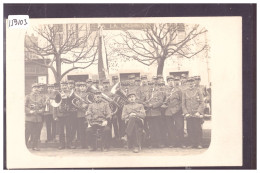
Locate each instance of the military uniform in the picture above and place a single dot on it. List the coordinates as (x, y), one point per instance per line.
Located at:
(63, 117)
(132, 88)
(173, 115)
(134, 114)
(193, 107)
(80, 121)
(48, 117)
(154, 116)
(72, 111)
(34, 107)
(97, 110)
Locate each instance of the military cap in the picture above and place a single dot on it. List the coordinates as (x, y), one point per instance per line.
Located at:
(130, 93)
(41, 84)
(114, 77)
(77, 83)
(183, 75)
(132, 76)
(155, 77)
(196, 77)
(97, 92)
(137, 79)
(150, 83)
(161, 83)
(89, 80)
(82, 83)
(144, 77)
(106, 81)
(50, 85)
(71, 81)
(169, 77)
(63, 82)
(95, 81)
(56, 85)
(177, 78)
(35, 85)
(190, 79)
(159, 76)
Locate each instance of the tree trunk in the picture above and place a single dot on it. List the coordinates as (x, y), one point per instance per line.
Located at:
(58, 68)
(160, 66)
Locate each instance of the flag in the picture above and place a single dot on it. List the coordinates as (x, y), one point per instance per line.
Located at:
(102, 58)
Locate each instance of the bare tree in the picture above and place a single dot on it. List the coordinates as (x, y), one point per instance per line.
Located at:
(157, 42)
(76, 46)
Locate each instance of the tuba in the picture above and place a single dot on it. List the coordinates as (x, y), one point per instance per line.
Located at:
(78, 101)
(121, 98)
(57, 97)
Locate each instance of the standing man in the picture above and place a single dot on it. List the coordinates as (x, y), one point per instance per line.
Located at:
(89, 84)
(173, 114)
(137, 88)
(99, 110)
(131, 83)
(96, 84)
(193, 107)
(114, 80)
(48, 115)
(133, 114)
(201, 87)
(43, 93)
(144, 89)
(34, 107)
(81, 110)
(72, 111)
(154, 116)
(63, 118)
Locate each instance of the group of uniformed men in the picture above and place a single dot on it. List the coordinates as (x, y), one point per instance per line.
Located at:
(154, 114)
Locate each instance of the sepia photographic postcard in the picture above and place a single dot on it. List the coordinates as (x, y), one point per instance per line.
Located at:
(123, 92)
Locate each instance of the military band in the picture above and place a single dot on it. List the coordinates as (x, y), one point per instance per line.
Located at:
(87, 112)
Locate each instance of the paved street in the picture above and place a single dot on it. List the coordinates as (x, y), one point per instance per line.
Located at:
(51, 149)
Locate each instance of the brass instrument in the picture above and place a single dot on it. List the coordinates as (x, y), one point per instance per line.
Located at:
(59, 99)
(55, 99)
(47, 103)
(35, 107)
(121, 98)
(112, 104)
(78, 101)
(100, 121)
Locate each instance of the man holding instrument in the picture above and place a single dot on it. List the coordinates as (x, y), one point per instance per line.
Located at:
(34, 107)
(98, 112)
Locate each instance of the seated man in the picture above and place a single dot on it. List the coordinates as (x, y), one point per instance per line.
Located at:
(98, 115)
(133, 114)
